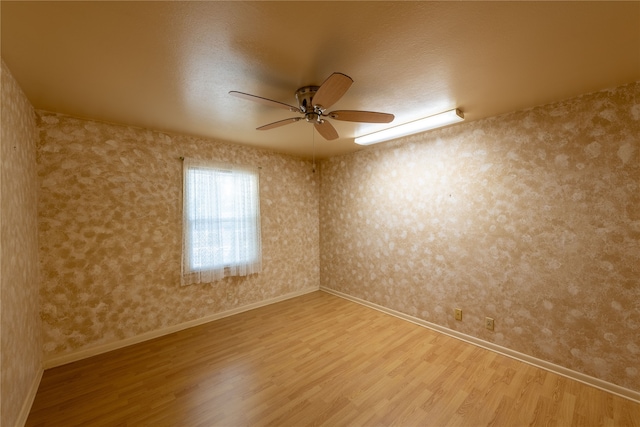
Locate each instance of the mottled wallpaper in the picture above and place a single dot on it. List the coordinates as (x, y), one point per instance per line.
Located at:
(110, 231)
(20, 349)
(532, 218)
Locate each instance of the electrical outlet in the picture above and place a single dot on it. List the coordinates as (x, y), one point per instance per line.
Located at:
(457, 313)
(488, 323)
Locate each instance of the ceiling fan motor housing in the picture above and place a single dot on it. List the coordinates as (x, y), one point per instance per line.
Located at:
(304, 96)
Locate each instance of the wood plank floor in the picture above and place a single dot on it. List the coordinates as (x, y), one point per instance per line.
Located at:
(316, 360)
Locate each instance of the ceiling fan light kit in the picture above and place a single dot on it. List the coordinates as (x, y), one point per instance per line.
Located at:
(313, 102)
(416, 126)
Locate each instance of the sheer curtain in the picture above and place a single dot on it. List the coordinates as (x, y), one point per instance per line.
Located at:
(221, 221)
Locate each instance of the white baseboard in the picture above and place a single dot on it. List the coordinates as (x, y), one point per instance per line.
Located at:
(539, 363)
(28, 402)
(103, 348)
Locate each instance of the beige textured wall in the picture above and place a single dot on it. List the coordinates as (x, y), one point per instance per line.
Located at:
(532, 218)
(20, 350)
(110, 230)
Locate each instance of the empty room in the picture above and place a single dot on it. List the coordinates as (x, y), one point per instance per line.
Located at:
(320, 213)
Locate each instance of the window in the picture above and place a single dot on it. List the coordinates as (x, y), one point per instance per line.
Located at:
(221, 230)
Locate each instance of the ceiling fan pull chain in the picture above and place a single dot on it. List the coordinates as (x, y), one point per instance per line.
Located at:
(313, 145)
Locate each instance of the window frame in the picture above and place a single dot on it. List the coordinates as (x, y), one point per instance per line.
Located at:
(223, 251)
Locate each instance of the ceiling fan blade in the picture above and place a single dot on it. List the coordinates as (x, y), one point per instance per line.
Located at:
(327, 130)
(264, 101)
(332, 90)
(279, 123)
(361, 116)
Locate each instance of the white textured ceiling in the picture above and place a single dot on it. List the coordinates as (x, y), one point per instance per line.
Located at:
(170, 65)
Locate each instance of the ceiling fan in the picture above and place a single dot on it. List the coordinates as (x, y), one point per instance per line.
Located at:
(313, 102)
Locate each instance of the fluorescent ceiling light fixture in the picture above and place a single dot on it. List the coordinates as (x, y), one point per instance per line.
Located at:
(420, 125)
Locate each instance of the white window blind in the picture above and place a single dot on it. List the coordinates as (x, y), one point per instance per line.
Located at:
(221, 227)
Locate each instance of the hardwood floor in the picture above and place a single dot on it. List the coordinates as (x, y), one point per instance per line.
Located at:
(316, 360)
